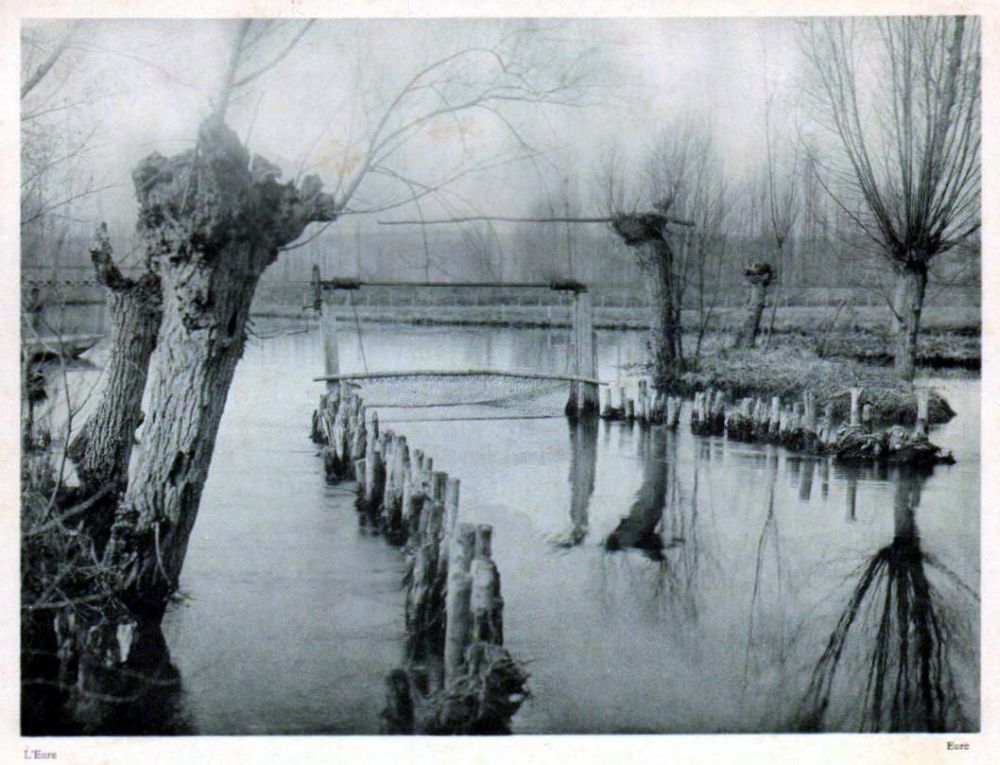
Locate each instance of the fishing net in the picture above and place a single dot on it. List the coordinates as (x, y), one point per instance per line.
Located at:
(463, 395)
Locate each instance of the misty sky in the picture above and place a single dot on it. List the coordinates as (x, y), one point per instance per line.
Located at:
(146, 84)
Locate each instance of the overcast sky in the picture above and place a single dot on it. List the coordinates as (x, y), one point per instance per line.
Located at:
(148, 83)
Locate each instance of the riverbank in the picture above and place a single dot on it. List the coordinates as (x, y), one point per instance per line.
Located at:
(789, 372)
(950, 335)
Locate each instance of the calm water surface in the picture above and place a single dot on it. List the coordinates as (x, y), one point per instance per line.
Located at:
(652, 581)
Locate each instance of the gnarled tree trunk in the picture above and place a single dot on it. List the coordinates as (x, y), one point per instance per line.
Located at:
(666, 325)
(103, 447)
(758, 279)
(911, 286)
(212, 224)
(647, 233)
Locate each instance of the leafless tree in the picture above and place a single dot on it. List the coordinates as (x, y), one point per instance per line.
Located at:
(901, 97)
(779, 187)
(681, 182)
(212, 220)
(686, 163)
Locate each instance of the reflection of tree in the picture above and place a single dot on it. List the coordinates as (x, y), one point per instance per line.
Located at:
(663, 527)
(106, 694)
(905, 631)
(766, 628)
(582, 468)
(638, 530)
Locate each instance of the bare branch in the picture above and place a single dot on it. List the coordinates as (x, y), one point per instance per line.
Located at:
(43, 69)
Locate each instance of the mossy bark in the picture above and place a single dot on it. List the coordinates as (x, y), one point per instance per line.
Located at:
(103, 447)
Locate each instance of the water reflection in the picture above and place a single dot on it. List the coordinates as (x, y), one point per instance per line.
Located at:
(582, 471)
(895, 639)
(311, 620)
(101, 695)
(639, 529)
(663, 526)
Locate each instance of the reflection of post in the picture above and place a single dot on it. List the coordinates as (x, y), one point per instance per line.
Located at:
(852, 497)
(824, 476)
(806, 480)
(582, 468)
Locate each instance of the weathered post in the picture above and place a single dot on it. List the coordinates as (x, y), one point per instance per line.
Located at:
(866, 417)
(371, 468)
(583, 315)
(487, 604)
(809, 407)
(328, 330)
(855, 417)
(923, 409)
(458, 613)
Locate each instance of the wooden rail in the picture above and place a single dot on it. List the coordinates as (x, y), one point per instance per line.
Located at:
(456, 373)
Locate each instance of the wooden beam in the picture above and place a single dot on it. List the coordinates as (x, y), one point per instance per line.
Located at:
(505, 219)
(455, 373)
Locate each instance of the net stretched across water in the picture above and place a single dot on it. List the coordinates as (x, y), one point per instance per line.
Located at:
(462, 394)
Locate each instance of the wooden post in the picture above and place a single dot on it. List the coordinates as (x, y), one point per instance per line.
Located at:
(439, 482)
(583, 316)
(331, 353)
(451, 494)
(809, 401)
(486, 603)
(855, 418)
(923, 410)
(371, 441)
(484, 541)
(608, 410)
(458, 613)
(866, 417)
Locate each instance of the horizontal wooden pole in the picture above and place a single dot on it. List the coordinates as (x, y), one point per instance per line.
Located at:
(456, 373)
(354, 284)
(506, 219)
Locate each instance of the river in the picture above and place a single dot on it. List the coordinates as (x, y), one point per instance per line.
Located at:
(653, 581)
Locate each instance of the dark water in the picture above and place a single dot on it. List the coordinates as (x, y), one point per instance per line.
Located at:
(652, 581)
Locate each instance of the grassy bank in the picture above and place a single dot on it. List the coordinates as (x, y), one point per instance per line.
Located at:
(788, 372)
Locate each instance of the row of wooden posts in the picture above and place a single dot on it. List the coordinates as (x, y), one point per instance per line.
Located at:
(454, 607)
(649, 407)
(798, 425)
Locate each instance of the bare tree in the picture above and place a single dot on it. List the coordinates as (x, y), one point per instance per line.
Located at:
(686, 163)
(780, 189)
(212, 220)
(908, 133)
(682, 183)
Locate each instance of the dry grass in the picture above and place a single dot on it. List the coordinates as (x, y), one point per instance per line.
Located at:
(789, 372)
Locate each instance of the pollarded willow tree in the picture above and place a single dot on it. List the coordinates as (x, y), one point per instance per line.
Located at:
(213, 218)
(902, 99)
(676, 219)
